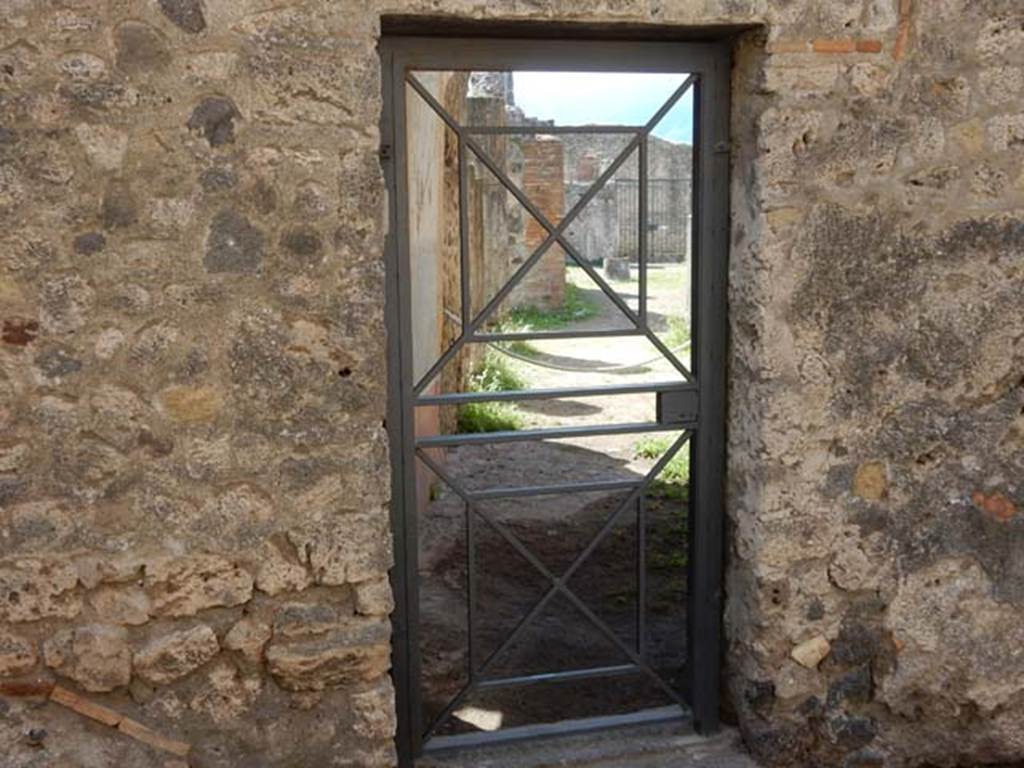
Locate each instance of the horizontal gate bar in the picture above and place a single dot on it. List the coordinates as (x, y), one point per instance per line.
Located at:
(483, 438)
(559, 677)
(542, 335)
(669, 714)
(529, 129)
(456, 398)
(512, 492)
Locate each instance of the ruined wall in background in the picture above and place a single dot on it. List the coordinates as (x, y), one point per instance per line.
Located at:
(544, 185)
(193, 466)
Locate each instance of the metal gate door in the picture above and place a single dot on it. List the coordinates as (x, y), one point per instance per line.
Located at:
(484, 199)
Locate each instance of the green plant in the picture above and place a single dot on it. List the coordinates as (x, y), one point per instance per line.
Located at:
(678, 333)
(576, 306)
(673, 481)
(489, 417)
(494, 374)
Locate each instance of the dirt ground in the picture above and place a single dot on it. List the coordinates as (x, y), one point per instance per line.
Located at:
(556, 529)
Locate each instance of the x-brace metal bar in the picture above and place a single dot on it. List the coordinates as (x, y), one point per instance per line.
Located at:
(558, 233)
(555, 233)
(558, 584)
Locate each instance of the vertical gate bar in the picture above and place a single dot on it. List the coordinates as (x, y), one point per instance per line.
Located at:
(642, 234)
(471, 588)
(400, 415)
(641, 576)
(711, 117)
(464, 277)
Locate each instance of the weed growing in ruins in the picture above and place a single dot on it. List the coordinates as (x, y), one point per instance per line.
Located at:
(678, 334)
(673, 482)
(576, 306)
(494, 374)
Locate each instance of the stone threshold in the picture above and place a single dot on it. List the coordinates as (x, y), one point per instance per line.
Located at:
(659, 745)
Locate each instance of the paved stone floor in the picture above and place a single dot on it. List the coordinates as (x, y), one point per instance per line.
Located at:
(646, 747)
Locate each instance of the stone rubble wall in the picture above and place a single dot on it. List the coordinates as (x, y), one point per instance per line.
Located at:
(193, 463)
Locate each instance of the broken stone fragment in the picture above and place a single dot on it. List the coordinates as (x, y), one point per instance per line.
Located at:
(95, 570)
(37, 588)
(192, 404)
(183, 586)
(233, 244)
(226, 694)
(214, 117)
(121, 605)
(95, 656)
(17, 655)
(996, 506)
(120, 207)
(279, 574)
(89, 243)
(346, 548)
(374, 597)
(56, 363)
(186, 14)
(374, 711)
(359, 652)
(294, 620)
(304, 243)
(140, 48)
(19, 331)
(811, 652)
(103, 145)
(248, 636)
(171, 657)
(870, 481)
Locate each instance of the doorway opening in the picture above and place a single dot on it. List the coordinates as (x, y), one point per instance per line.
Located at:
(556, 310)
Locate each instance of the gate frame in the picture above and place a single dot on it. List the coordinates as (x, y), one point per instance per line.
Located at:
(711, 62)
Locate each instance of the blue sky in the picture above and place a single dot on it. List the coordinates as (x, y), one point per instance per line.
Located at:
(579, 98)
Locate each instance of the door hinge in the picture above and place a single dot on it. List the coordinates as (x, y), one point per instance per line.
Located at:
(385, 152)
(722, 148)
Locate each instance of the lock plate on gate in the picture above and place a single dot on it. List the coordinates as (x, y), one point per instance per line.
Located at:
(677, 406)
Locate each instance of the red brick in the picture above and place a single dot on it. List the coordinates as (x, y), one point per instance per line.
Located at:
(834, 45)
(789, 46)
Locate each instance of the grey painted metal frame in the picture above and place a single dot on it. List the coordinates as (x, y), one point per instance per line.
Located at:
(709, 64)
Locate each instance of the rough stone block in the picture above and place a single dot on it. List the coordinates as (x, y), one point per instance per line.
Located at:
(294, 620)
(38, 588)
(233, 244)
(173, 656)
(17, 654)
(811, 652)
(358, 653)
(186, 585)
(96, 656)
(375, 597)
(186, 14)
(278, 573)
(192, 404)
(354, 547)
(374, 710)
(121, 605)
(248, 636)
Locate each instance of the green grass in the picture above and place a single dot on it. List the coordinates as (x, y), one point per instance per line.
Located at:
(673, 482)
(494, 374)
(577, 306)
(678, 333)
(669, 553)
